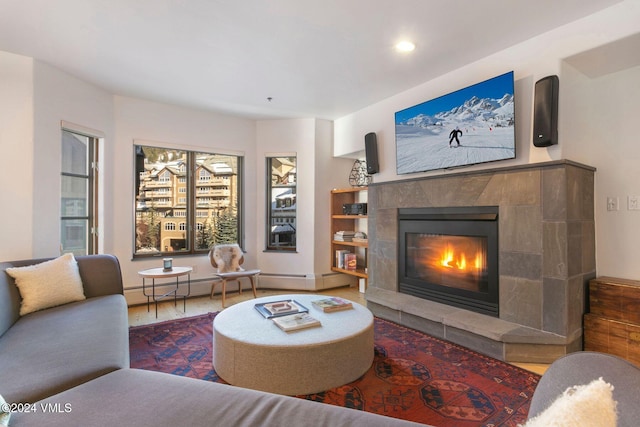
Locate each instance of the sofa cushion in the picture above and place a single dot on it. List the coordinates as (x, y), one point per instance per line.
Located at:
(132, 397)
(584, 405)
(48, 284)
(49, 351)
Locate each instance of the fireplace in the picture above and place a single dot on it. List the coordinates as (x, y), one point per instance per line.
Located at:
(546, 254)
(450, 256)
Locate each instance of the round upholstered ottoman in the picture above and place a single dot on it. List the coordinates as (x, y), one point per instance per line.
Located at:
(251, 351)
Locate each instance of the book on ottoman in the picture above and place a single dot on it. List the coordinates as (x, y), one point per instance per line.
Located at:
(294, 322)
(280, 308)
(332, 304)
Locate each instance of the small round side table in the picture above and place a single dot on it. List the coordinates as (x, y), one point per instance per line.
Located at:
(160, 273)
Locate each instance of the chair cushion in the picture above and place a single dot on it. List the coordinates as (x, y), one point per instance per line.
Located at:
(48, 284)
(239, 274)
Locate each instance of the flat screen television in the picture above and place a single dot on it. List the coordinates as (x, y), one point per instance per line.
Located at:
(466, 127)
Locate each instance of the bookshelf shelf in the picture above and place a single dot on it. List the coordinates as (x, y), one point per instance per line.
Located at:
(357, 244)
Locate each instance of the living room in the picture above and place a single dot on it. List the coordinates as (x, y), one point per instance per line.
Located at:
(40, 96)
(594, 56)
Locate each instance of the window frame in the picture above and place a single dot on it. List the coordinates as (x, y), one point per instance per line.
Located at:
(274, 220)
(191, 211)
(91, 234)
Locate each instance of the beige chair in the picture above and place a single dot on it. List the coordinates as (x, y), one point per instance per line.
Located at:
(227, 260)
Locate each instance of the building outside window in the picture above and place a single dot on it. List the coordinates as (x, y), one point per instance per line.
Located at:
(164, 177)
(281, 203)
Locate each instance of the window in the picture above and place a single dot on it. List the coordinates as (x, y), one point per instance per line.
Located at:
(281, 203)
(78, 204)
(178, 184)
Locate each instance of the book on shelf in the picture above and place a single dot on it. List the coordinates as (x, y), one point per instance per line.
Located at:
(340, 253)
(344, 236)
(360, 236)
(350, 262)
(293, 322)
(279, 308)
(332, 304)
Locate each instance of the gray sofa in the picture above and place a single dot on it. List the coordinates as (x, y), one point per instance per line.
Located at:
(71, 364)
(52, 350)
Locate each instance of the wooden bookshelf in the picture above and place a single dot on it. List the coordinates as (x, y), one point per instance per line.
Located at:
(342, 222)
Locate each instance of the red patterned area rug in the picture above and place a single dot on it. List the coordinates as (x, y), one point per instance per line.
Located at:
(414, 376)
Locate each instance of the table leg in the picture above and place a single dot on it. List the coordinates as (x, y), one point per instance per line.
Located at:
(224, 290)
(144, 292)
(175, 293)
(253, 286)
(184, 298)
(153, 286)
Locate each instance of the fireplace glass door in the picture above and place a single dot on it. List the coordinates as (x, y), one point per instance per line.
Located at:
(450, 255)
(454, 261)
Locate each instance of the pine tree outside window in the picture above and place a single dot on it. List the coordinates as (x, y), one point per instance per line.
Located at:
(212, 184)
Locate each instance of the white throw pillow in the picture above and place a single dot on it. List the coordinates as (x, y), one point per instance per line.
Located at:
(48, 284)
(590, 405)
(5, 414)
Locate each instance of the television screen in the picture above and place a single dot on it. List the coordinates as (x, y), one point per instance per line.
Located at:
(469, 126)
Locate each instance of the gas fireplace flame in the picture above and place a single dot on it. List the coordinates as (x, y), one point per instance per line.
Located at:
(450, 259)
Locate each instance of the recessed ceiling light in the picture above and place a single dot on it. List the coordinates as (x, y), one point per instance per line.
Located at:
(405, 46)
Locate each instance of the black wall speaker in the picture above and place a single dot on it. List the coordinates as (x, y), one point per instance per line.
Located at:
(371, 151)
(545, 112)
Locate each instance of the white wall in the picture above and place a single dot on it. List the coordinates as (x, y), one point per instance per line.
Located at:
(294, 137)
(530, 61)
(329, 173)
(175, 126)
(603, 133)
(59, 96)
(36, 98)
(589, 109)
(317, 173)
(16, 145)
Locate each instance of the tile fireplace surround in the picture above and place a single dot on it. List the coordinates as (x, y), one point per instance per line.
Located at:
(546, 257)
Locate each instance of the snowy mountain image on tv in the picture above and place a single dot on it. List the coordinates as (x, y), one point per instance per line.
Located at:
(472, 125)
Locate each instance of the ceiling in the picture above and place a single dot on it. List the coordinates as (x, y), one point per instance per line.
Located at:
(322, 59)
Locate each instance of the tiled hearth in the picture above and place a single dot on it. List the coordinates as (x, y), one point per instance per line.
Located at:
(546, 257)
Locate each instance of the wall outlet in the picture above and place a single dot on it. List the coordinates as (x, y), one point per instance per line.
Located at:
(612, 203)
(194, 269)
(633, 203)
